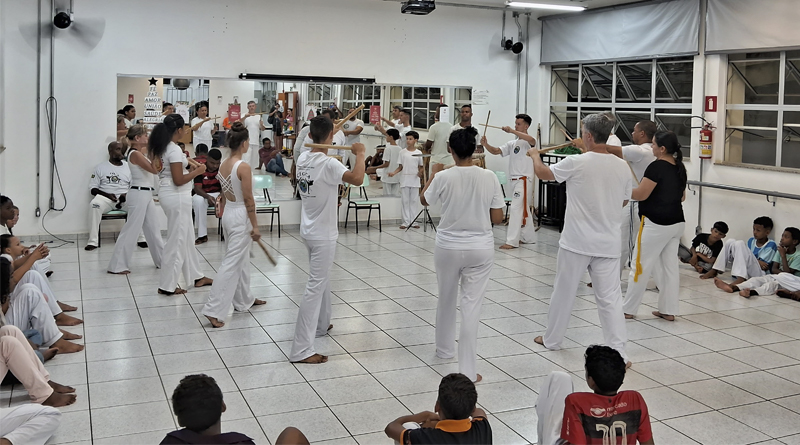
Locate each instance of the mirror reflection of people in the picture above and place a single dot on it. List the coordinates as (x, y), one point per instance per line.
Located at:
(255, 126)
(270, 156)
(206, 190)
(438, 135)
(352, 130)
(121, 128)
(466, 121)
(202, 126)
(128, 112)
(276, 117)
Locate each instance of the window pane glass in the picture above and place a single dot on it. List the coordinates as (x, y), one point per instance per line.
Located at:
(790, 151)
(751, 137)
(463, 95)
(634, 82)
(674, 81)
(407, 92)
(435, 93)
(420, 93)
(753, 78)
(678, 122)
(792, 88)
(563, 119)
(565, 85)
(597, 83)
(626, 120)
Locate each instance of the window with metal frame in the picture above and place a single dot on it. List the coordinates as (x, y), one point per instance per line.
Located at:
(320, 95)
(355, 95)
(421, 101)
(659, 90)
(763, 109)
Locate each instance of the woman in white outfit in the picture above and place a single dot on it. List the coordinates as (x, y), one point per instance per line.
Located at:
(241, 229)
(142, 212)
(472, 201)
(202, 126)
(660, 196)
(175, 195)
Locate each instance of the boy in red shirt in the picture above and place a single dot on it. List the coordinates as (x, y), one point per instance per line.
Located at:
(607, 416)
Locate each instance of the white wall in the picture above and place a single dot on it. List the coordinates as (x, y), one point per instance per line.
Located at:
(243, 89)
(86, 81)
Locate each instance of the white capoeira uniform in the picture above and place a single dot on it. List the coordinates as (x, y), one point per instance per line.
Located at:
(253, 125)
(203, 134)
(200, 205)
(741, 259)
(28, 310)
(232, 284)
(109, 178)
(17, 356)
(598, 184)
(520, 168)
(464, 255)
(43, 284)
(391, 186)
(318, 179)
(142, 217)
(409, 185)
(351, 125)
(180, 255)
(30, 424)
(660, 238)
(639, 157)
(550, 407)
(42, 266)
(769, 284)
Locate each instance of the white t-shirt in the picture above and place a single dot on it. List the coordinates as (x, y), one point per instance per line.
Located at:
(392, 154)
(439, 134)
(519, 164)
(639, 156)
(338, 139)
(318, 179)
(173, 155)
(403, 131)
(614, 140)
(4, 231)
(128, 122)
(351, 126)
(300, 149)
(597, 186)
(204, 132)
(253, 125)
(110, 178)
(467, 194)
(409, 176)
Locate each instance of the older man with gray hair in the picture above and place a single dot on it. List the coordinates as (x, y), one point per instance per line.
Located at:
(599, 184)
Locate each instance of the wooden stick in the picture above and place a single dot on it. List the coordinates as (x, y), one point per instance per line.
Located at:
(565, 134)
(264, 248)
(330, 146)
(486, 127)
(555, 147)
(490, 126)
(633, 172)
(338, 126)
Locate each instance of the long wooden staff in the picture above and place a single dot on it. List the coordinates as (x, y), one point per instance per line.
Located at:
(555, 147)
(490, 126)
(264, 248)
(486, 125)
(330, 146)
(341, 123)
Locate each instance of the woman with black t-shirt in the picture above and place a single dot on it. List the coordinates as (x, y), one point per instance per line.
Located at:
(660, 195)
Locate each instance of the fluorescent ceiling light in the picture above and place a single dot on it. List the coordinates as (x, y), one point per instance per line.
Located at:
(511, 4)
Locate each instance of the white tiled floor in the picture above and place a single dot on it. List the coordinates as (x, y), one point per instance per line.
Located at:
(726, 372)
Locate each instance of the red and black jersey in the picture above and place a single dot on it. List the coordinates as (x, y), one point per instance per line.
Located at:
(594, 419)
(209, 182)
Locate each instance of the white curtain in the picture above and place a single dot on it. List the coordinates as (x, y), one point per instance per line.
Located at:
(752, 25)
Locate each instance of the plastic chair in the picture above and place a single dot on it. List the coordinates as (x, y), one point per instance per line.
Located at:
(362, 204)
(503, 179)
(264, 183)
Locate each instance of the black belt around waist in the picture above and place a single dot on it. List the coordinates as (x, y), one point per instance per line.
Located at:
(136, 187)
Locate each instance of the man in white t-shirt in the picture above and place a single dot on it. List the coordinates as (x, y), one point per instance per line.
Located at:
(109, 186)
(404, 126)
(598, 185)
(520, 169)
(319, 178)
(352, 131)
(395, 121)
(466, 121)
(638, 156)
(437, 143)
(254, 126)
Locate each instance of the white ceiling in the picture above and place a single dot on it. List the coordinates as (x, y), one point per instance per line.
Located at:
(589, 4)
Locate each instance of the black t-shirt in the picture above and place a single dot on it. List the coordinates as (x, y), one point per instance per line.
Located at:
(700, 244)
(449, 432)
(663, 206)
(185, 436)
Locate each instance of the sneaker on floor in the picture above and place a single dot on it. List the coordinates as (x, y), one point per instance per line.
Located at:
(142, 244)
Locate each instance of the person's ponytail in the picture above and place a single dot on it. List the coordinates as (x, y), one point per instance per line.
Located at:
(162, 134)
(669, 141)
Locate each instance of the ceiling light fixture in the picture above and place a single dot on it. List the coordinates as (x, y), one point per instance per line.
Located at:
(528, 5)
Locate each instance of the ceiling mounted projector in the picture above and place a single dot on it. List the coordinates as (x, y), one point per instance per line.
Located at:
(417, 7)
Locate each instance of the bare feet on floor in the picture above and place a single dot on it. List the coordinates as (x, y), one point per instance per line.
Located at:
(628, 365)
(215, 322)
(664, 316)
(783, 293)
(710, 274)
(178, 291)
(258, 302)
(403, 227)
(49, 354)
(539, 340)
(723, 285)
(57, 399)
(478, 379)
(507, 247)
(61, 389)
(747, 293)
(314, 359)
(629, 316)
(205, 281)
(63, 319)
(66, 347)
(66, 308)
(124, 272)
(70, 335)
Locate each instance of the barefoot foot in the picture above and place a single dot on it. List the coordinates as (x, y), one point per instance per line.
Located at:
(63, 319)
(258, 302)
(61, 389)
(69, 335)
(215, 322)
(628, 365)
(124, 272)
(723, 285)
(57, 399)
(314, 359)
(664, 316)
(66, 308)
(629, 316)
(178, 291)
(478, 379)
(66, 347)
(507, 247)
(205, 281)
(539, 340)
(49, 354)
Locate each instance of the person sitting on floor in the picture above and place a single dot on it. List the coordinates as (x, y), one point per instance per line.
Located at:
(197, 402)
(206, 190)
(457, 420)
(109, 185)
(29, 424)
(9, 217)
(785, 276)
(747, 259)
(705, 249)
(201, 153)
(270, 156)
(592, 418)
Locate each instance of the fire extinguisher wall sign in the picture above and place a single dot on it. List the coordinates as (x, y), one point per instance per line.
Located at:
(706, 139)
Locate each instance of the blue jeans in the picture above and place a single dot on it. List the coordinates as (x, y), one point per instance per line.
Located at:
(275, 165)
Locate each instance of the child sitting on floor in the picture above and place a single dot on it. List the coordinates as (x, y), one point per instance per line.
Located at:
(705, 248)
(747, 259)
(456, 419)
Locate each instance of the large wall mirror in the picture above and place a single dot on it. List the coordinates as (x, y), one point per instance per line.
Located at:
(141, 98)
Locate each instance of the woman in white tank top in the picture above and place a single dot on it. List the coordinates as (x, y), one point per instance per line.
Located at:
(142, 213)
(241, 229)
(175, 195)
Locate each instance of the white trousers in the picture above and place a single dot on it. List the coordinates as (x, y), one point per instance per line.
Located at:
(142, 216)
(28, 310)
(315, 307)
(410, 204)
(659, 253)
(43, 284)
(391, 189)
(742, 262)
(232, 284)
(180, 255)
(17, 356)
(100, 205)
(251, 157)
(630, 231)
(550, 407)
(471, 269)
(42, 266)
(516, 232)
(200, 206)
(604, 273)
(30, 424)
(769, 284)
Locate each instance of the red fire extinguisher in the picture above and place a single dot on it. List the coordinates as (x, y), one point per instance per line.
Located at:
(706, 139)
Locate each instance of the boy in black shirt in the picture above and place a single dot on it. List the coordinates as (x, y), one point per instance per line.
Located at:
(456, 420)
(705, 248)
